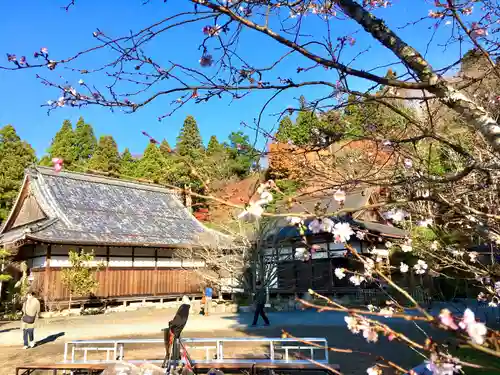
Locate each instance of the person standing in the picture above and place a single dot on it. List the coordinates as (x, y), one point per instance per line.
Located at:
(172, 334)
(208, 300)
(31, 310)
(260, 303)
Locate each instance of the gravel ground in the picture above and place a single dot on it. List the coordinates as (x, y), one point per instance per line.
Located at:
(147, 324)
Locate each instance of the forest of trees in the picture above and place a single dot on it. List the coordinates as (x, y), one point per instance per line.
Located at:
(189, 163)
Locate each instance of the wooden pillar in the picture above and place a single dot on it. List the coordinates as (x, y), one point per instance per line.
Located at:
(47, 273)
(133, 284)
(155, 290)
(330, 273)
(311, 269)
(106, 275)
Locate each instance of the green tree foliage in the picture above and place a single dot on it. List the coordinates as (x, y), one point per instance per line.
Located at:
(85, 142)
(284, 133)
(304, 131)
(356, 117)
(165, 148)
(242, 154)
(151, 165)
(189, 142)
(306, 126)
(4, 258)
(15, 156)
(128, 165)
(214, 146)
(80, 278)
(106, 157)
(63, 145)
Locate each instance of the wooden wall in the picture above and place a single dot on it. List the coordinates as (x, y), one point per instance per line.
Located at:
(116, 283)
(298, 276)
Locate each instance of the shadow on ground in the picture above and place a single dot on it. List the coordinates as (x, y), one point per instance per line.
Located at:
(8, 330)
(332, 326)
(50, 338)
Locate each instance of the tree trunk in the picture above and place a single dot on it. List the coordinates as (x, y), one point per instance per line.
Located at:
(475, 115)
(69, 303)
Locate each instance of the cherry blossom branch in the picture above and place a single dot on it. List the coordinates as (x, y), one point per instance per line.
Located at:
(361, 312)
(475, 115)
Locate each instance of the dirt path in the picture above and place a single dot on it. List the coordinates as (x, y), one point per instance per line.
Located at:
(148, 324)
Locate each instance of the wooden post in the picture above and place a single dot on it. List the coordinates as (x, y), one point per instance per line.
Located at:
(330, 273)
(311, 269)
(47, 272)
(106, 274)
(155, 290)
(134, 274)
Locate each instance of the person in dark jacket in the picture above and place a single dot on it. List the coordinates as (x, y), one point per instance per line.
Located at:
(174, 330)
(260, 303)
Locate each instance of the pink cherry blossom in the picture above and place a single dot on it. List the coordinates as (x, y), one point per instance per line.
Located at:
(315, 248)
(57, 164)
(343, 231)
(339, 195)
(467, 11)
(476, 330)
(437, 15)
(447, 320)
(477, 30)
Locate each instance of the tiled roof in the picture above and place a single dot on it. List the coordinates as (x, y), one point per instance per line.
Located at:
(355, 202)
(90, 209)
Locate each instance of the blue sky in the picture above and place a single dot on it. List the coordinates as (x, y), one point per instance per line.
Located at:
(31, 24)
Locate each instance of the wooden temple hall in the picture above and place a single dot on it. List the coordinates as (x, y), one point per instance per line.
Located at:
(133, 228)
(286, 269)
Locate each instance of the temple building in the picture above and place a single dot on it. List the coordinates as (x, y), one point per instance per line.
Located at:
(134, 230)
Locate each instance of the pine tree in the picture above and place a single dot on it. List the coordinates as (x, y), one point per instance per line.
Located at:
(128, 165)
(85, 142)
(15, 156)
(242, 154)
(284, 130)
(214, 146)
(302, 103)
(63, 145)
(306, 126)
(106, 157)
(165, 148)
(151, 165)
(189, 142)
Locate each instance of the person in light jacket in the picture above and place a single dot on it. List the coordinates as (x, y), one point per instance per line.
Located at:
(31, 310)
